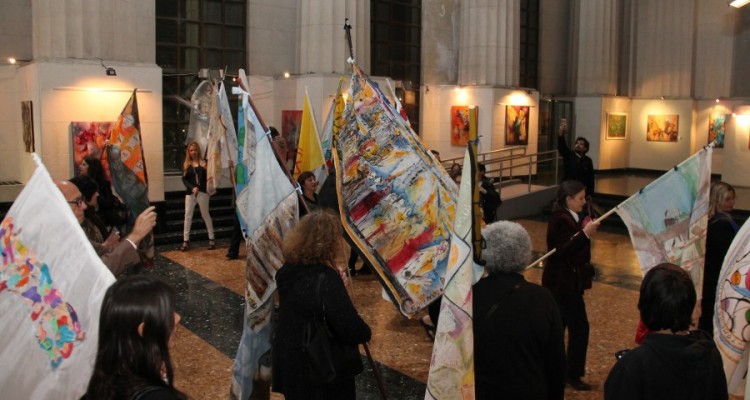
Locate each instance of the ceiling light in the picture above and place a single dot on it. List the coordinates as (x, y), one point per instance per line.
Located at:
(738, 3)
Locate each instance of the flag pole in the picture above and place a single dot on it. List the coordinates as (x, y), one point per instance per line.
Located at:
(476, 234)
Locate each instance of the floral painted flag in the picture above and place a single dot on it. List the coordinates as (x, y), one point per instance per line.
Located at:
(452, 365)
(667, 219)
(271, 213)
(221, 152)
(397, 204)
(51, 288)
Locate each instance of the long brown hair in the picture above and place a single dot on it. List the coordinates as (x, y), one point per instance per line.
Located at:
(186, 164)
(315, 239)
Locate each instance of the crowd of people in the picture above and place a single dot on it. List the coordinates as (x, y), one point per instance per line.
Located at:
(519, 326)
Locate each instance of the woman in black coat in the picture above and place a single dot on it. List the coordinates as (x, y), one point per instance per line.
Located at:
(309, 253)
(568, 272)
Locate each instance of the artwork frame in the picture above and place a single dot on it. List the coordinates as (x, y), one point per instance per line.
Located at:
(517, 125)
(291, 123)
(460, 125)
(662, 128)
(88, 138)
(717, 128)
(617, 126)
(27, 118)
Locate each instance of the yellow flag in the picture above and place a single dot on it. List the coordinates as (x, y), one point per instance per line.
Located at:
(309, 151)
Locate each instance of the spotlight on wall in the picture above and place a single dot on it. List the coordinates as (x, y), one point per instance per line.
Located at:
(108, 70)
(738, 3)
(13, 61)
(286, 75)
(742, 110)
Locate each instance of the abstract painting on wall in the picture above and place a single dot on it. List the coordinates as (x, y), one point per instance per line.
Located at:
(662, 128)
(88, 140)
(516, 125)
(291, 122)
(459, 125)
(616, 125)
(717, 124)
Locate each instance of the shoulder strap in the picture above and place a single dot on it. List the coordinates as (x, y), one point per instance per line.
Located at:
(500, 300)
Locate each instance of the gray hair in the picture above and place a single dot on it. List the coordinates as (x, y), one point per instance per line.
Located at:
(508, 247)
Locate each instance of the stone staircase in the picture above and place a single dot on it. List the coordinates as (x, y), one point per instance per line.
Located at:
(172, 213)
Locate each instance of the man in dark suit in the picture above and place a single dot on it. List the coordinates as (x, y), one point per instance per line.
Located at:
(577, 165)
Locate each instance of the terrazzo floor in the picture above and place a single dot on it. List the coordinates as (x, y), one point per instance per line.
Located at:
(211, 305)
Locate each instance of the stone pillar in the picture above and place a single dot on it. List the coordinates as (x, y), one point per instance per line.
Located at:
(593, 66)
(489, 49)
(322, 45)
(85, 29)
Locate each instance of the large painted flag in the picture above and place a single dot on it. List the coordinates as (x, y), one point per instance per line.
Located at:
(397, 204)
(309, 152)
(732, 313)
(221, 153)
(452, 366)
(202, 101)
(667, 219)
(51, 287)
(271, 213)
(127, 165)
(250, 131)
(326, 134)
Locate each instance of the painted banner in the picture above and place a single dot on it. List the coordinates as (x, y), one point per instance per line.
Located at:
(452, 365)
(309, 151)
(732, 312)
(89, 139)
(326, 134)
(271, 212)
(127, 166)
(397, 204)
(203, 100)
(51, 287)
(667, 219)
(222, 141)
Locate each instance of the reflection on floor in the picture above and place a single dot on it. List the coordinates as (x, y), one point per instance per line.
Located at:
(211, 304)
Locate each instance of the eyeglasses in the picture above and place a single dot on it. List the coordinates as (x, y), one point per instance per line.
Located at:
(78, 201)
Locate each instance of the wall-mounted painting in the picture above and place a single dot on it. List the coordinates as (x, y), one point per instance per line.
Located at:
(460, 125)
(616, 124)
(717, 124)
(662, 128)
(516, 125)
(27, 117)
(291, 122)
(88, 140)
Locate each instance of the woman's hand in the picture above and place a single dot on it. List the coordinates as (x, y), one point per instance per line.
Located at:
(195, 191)
(590, 228)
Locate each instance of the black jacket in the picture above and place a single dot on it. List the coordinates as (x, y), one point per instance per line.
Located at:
(561, 269)
(576, 167)
(666, 366)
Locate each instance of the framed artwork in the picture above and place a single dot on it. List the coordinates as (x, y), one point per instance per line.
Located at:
(27, 117)
(717, 124)
(459, 125)
(516, 125)
(662, 128)
(616, 125)
(291, 122)
(88, 140)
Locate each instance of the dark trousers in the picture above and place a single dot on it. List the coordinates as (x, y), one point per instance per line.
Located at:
(237, 238)
(574, 319)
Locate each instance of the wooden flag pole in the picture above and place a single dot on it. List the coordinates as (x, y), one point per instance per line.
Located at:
(476, 213)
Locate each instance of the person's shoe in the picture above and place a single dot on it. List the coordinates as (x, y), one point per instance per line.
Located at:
(429, 329)
(211, 244)
(231, 256)
(185, 246)
(578, 385)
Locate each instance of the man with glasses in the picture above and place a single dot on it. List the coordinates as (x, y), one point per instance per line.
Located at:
(120, 255)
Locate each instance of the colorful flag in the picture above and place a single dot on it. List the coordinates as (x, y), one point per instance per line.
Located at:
(222, 141)
(51, 287)
(250, 132)
(732, 312)
(271, 212)
(127, 166)
(397, 204)
(326, 134)
(309, 152)
(667, 219)
(452, 366)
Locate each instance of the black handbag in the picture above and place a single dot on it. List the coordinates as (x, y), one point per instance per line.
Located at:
(328, 359)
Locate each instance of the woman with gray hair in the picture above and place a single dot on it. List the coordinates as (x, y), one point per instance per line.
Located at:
(518, 335)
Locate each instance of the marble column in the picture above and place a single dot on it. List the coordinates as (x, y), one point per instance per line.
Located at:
(489, 49)
(85, 29)
(322, 42)
(593, 69)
